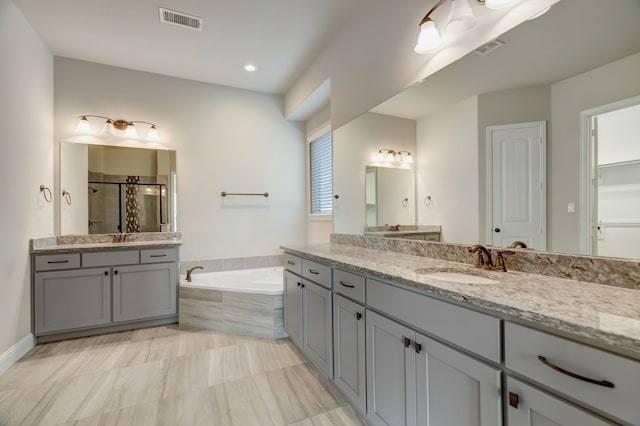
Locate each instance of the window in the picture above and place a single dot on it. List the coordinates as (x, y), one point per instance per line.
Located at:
(321, 175)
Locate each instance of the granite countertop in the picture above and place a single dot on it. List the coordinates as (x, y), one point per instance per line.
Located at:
(392, 234)
(605, 316)
(103, 242)
(87, 247)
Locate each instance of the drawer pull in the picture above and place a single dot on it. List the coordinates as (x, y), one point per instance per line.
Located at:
(342, 283)
(407, 342)
(574, 375)
(158, 255)
(57, 261)
(291, 262)
(314, 272)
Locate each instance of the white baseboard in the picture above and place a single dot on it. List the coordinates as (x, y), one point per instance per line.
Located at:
(15, 352)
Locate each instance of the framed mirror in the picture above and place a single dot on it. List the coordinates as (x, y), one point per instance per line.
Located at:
(554, 70)
(110, 189)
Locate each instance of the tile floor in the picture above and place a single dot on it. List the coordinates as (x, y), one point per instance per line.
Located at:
(169, 376)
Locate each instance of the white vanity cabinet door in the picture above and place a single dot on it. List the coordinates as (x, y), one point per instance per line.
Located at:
(391, 372)
(531, 407)
(349, 348)
(293, 307)
(455, 389)
(67, 300)
(144, 291)
(317, 330)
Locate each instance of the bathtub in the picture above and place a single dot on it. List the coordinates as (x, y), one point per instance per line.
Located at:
(245, 301)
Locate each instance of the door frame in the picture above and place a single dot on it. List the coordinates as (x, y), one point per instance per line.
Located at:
(543, 177)
(586, 169)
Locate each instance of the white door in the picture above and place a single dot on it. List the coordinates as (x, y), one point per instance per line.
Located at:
(517, 189)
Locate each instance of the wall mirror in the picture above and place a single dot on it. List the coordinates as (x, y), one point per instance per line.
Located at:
(389, 196)
(552, 70)
(110, 189)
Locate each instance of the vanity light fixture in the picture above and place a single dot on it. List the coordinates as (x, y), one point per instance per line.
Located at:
(461, 19)
(125, 126)
(390, 156)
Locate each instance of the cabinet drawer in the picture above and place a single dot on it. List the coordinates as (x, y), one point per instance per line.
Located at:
(474, 331)
(52, 262)
(110, 258)
(317, 272)
(525, 347)
(293, 263)
(159, 255)
(349, 284)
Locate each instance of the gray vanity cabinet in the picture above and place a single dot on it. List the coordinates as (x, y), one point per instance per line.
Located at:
(391, 372)
(317, 336)
(349, 369)
(531, 407)
(65, 300)
(293, 306)
(453, 388)
(144, 291)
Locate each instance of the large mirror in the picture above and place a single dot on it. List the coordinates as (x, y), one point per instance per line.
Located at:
(528, 111)
(110, 189)
(389, 196)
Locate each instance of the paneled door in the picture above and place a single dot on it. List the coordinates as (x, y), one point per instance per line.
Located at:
(516, 192)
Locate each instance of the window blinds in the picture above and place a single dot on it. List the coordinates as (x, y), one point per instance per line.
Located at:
(321, 175)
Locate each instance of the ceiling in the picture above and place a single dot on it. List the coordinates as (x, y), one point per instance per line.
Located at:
(573, 37)
(281, 37)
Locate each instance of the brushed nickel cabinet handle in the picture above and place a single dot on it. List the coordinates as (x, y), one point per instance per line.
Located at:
(551, 365)
(342, 283)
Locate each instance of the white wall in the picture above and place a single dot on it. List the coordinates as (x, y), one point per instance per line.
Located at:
(610, 83)
(372, 58)
(393, 187)
(447, 170)
(74, 216)
(354, 147)
(225, 139)
(26, 162)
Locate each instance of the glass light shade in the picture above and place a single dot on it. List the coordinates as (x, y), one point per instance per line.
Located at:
(108, 127)
(152, 135)
(380, 156)
(498, 4)
(408, 159)
(429, 38)
(391, 156)
(131, 132)
(83, 125)
(461, 18)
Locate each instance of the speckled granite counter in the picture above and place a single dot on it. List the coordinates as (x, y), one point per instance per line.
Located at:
(102, 242)
(606, 316)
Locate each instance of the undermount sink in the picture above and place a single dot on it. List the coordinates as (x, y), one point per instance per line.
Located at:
(456, 277)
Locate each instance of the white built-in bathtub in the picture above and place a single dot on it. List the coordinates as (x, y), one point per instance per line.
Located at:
(245, 301)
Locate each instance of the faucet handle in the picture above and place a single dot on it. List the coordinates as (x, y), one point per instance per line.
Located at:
(501, 263)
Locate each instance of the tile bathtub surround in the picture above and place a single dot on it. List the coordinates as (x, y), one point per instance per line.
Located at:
(259, 315)
(231, 264)
(168, 376)
(604, 316)
(600, 270)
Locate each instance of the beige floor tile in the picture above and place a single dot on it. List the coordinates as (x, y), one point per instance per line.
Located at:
(239, 403)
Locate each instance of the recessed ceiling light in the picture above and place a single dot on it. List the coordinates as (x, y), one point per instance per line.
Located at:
(249, 67)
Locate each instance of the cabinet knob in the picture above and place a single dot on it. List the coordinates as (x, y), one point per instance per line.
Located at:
(106, 273)
(358, 316)
(418, 347)
(497, 229)
(115, 272)
(513, 399)
(299, 284)
(407, 342)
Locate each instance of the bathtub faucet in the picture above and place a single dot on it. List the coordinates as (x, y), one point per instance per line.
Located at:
(189, 271)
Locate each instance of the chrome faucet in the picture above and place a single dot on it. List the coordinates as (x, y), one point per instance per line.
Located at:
(189, 271)
(484, 256)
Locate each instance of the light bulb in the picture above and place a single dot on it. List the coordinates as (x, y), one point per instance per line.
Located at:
(131, 132)
(429, 38)
(408, 159)
(391, 156)
(380, 156)
(497, 4)
(108, 127)
(152, 135)
(461, 17)
(83, 125)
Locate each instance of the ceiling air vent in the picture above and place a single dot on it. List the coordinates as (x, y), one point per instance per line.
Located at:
(489, 47)
(181, 19)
